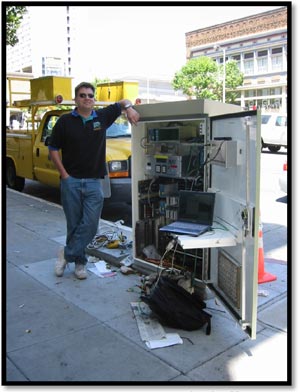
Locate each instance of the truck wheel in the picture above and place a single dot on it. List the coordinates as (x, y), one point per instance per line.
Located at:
(274, 148)
(12, 180)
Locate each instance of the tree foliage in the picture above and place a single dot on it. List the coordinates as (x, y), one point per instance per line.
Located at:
(234, 78)
(197, 78)
(202, 78)
(97, 80)
(14, 16)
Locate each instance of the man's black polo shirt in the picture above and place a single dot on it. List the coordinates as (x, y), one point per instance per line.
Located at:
(83, 141)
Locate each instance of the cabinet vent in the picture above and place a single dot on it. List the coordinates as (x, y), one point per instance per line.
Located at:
(229, 278)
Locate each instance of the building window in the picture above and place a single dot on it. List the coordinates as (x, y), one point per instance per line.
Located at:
(248, 55)
(221, 60)
(262, 65)
(262, 53)
(276, 59)
(250, 93)
(265, 92)
(248, 67)
(278, 90)
(237, 59)
(277, 63)
(249, 63)
(262, 61)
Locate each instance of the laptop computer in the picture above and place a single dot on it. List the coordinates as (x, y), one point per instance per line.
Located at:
(195, 213)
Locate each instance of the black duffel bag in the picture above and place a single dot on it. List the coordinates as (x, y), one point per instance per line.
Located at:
(175, 307)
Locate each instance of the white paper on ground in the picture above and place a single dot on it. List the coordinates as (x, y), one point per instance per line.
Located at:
(151, 331)
(169, 340)
(100, 269)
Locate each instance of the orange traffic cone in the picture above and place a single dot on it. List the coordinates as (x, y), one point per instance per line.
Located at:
(263, 276)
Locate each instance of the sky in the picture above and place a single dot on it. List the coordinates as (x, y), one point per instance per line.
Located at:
(147, 41)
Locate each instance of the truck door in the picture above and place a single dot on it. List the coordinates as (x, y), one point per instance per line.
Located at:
(43, 167)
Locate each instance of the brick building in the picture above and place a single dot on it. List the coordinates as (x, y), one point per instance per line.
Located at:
(259, 44)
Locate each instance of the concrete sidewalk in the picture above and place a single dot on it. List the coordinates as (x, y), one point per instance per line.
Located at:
(63, 330)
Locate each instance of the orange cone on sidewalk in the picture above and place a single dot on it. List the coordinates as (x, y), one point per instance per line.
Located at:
(263, 276)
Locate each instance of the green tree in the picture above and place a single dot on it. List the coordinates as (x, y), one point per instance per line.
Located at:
(96, 81)
(198, 78)
(202, 78)
(234, 78)
(14, 16)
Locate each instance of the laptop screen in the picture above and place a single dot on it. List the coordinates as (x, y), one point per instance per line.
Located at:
(196, 207)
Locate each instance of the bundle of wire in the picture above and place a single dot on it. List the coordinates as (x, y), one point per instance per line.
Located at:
(108, 235)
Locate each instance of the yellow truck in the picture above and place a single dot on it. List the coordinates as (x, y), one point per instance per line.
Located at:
(27, 155)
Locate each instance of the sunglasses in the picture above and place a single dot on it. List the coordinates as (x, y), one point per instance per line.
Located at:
(83, 95)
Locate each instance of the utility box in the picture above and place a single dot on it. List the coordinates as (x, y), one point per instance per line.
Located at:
(226, 153)
(200, 146)
(115, 91)
(47, 88)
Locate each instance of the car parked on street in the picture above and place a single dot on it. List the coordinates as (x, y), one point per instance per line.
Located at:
(283, 179)
(273, 131)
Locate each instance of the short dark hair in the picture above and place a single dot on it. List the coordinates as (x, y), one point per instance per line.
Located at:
(85, 85)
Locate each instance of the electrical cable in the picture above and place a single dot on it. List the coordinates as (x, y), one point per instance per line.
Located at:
(107, 235)
(168, 248)
(174, 251)
(149, 190)
(212, 159)
(142, 144)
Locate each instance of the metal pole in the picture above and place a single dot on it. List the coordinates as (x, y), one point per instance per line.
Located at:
(224, 73)
(218, 47)
(148, 90)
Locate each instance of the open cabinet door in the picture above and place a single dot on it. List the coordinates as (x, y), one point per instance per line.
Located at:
(234, 174)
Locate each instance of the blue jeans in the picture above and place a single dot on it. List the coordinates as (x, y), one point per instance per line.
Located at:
(82, 201)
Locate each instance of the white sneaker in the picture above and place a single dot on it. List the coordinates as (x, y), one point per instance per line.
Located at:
(80, 271)
(60, 264)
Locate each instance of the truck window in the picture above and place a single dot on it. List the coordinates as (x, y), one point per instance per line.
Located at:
(48, 126)
(117, 129)
(281, 121)
(14, 118)
(265, 118)
(120, 128)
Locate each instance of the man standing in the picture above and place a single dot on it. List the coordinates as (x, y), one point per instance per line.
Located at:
(81, 137)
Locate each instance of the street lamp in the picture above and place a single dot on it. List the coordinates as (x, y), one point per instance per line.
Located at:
(217, 47)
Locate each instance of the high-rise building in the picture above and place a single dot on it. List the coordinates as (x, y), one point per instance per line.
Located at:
(259, 44)
(46, 42)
